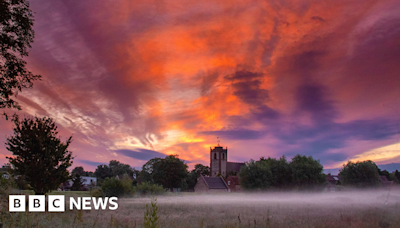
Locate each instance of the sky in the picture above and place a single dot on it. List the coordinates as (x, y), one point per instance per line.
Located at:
(134, 80)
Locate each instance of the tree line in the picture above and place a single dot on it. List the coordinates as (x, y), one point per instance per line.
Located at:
(41, 161)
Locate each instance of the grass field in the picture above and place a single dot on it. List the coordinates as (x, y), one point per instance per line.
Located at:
(337, 209)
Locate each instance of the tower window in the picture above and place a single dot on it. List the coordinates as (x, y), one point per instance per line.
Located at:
(223, 156)
(215, 156)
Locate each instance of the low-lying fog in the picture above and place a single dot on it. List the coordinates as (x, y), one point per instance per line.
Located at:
(340, 198)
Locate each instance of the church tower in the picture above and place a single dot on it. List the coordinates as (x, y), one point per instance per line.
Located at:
(218, 158)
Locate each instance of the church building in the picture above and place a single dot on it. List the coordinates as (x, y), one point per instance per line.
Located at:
(219, 165)
(220, 170)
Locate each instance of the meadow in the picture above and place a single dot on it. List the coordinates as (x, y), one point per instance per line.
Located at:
(379, 208)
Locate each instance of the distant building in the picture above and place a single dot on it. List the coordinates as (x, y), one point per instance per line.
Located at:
(86, 181)
(220, 169)
(89, 181)
(331, 182)
(233, 184)
(219, 165)
(210, 185)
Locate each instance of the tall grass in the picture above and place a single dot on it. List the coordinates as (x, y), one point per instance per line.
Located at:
(329, 210)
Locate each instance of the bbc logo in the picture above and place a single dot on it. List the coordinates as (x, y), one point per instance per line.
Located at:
(56, 203)
(36, 203)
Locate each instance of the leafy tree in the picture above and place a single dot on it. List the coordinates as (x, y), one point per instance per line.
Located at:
(201, 169)
(269, 173)
(77, 183)
(256, 175)
(307, 173)
(360, 174)
(393, 177)
(170, 171)
(384, 173)
(102, 172)
(89, 174)
(266, 174)
(118, 168)
(112, 187)
(192, 177)
(115, 168)
(397, 175)
(147, 170)
(16, 36)
(146, 188)
(78, 171)
(39, 154)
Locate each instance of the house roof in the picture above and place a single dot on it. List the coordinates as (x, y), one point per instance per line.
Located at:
(214, 182)
(233, 166)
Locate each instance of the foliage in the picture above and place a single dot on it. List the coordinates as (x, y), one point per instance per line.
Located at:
(170, 172)
(198, 170)
(384, 173)
(360, 174)
(118, 168)
(266, 174)
(147, 188)
(147, 170)
(78, 171)
(301, 173)
(16, 35)
(127, 184)
(113, 169)
(393, 177)
(307, 173)
(77, 183)
(102, 172)
(397, 175)
(96, 193)
(150, 216)
(38, 154)
(112, 187)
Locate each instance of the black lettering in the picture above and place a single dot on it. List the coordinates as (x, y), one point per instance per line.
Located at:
(54, 204)
(36, 203)
(17, 203)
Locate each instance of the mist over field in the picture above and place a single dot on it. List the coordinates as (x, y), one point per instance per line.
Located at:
(353, 208)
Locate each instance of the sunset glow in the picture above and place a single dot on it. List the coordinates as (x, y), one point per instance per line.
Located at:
(136, 80)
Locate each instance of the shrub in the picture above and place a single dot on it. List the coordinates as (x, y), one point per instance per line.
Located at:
(150, 216)
(147, 188)
(112, 187)
(360, 174)
(96, 193)
(127, 184)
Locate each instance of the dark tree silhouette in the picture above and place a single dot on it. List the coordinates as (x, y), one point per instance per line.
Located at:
(77, 183)
(360, 174)
(16, 36)
(38, 154)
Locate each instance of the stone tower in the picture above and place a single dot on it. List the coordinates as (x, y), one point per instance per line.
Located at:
(218, 158)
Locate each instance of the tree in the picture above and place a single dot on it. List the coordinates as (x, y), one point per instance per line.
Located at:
(77, 183)
(198, 170)
(38, 154)
(78, 171)
(102, 172)
(16, 36)
(118, 168)
(201, 169)
(170, 171)
(360, 174)
(267, 173)
(307, 173)
(112, 187)
(115, 168)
